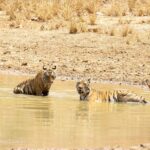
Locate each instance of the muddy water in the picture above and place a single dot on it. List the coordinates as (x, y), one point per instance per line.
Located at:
(61, 120)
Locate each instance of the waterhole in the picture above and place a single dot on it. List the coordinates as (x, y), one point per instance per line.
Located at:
(60, 120)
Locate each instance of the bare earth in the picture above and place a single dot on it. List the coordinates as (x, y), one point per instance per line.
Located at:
(99, 56)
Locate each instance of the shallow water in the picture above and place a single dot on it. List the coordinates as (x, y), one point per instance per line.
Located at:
(61, 120)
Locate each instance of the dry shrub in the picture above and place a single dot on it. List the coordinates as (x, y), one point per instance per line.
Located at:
(116, 9)
(79, 7)
(92, 19)
(133, 38)
(91, 6)
(112, 31)
(124, 7)
(66, 9)
(67, 13)
(77, 27)
(142, 8)
(95, 30)
(123, 30)
(124, 21)
(126, 30)
(82, 27)
(131, 4)
(73, 27)
(47, 11)
(2, 3)
(139, 7)
(42, 9)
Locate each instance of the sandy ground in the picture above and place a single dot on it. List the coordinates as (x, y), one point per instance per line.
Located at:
(100, 57)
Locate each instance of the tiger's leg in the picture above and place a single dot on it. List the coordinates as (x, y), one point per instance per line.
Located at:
(38, 91)
(45, 93)
(130, 97)
(25, 87)
(19, 88)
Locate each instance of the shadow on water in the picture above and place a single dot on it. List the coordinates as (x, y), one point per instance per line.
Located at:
(61, 120)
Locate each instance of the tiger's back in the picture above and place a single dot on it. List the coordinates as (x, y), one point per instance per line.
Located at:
(25, 87)
(115, 96)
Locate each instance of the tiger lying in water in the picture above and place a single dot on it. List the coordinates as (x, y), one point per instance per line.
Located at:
(86, 93)
(39, 85)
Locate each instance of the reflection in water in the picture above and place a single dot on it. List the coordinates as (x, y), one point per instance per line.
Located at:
(82, 112)
(61, 120)
(42, 110)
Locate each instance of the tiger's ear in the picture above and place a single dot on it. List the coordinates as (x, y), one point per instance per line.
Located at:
(44, 67)
(54, 67)
(77, 83)
(89, 81)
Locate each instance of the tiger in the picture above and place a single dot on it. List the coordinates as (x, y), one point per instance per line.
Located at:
(88, 94)
(39, 85)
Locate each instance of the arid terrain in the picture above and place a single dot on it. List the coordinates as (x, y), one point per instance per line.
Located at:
(112, 45)
(92, 55)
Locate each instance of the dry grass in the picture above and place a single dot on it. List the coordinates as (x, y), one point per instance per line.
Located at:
(116, 8)
(46, 10)
(73, 28)
(125, 7)
(82, 12)
(82, 27)
(133, 38)
(131, 5)
(115, 30)
(92, 19)
(124, 21)
(112, 31)
(142, 8)
(67, 9)
(126, 30)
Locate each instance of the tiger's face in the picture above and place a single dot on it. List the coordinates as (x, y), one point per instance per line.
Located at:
(83, 89)
(48, 74)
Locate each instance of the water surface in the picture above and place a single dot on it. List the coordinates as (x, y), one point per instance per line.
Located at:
(61, 120)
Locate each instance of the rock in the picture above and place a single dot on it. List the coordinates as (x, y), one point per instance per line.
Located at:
(3, 60)
(9, 66)
(34, 19)
(6, 52)
(145, 146)
(24, 64)
(85, 61)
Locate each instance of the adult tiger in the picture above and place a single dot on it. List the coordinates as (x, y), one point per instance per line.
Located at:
(39, 85)
(86, 93)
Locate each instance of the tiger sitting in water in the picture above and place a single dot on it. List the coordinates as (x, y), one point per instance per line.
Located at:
(39, 85)
(86, 93)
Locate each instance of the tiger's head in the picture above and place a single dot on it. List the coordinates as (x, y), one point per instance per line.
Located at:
(48, 74)
(83, 89)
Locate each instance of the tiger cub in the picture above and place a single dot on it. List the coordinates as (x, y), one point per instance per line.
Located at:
(86, 93)
(39, 85)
